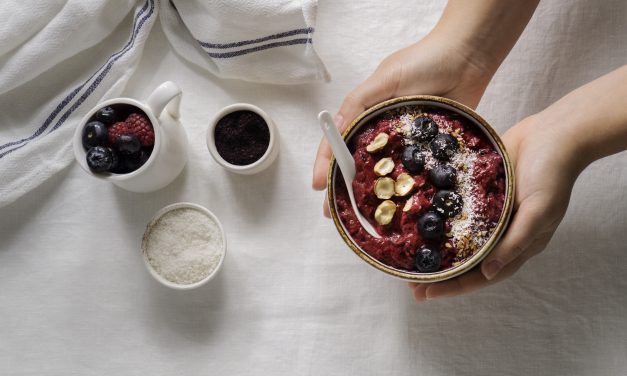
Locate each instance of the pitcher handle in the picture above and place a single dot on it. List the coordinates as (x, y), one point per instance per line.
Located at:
(165, 96)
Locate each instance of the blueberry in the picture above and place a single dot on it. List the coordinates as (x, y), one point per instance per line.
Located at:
(412, 159)
(424, 129)
(448, 203)
(443, 176)
(106, 115)
(443, 146)
(428, 260)
(135, 161)
(431, 226)
(100, 159)
(120, 168)
(127, 144)
(94, 134)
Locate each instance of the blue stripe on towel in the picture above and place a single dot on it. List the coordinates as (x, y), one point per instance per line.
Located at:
(78, 89)
(289, 33)
(137, 25)
(224, 55)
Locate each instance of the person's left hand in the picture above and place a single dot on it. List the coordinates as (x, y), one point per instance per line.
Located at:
(546, 166)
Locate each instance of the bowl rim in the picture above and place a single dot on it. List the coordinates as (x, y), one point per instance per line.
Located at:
(507, 207)
(155, 218)
(211, 144)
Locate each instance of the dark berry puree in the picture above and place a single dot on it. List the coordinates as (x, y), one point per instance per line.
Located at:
(457, 196)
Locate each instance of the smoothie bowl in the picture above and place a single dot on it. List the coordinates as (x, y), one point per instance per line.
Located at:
(434, 180)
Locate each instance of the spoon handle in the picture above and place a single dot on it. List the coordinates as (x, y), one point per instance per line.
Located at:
(346, 162)
(340, 151)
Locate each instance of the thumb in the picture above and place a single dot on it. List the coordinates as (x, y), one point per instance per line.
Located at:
(377, 88)
(381, 85)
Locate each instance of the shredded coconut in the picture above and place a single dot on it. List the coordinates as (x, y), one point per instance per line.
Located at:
(462, 224)
(467, 232)
(184, 246)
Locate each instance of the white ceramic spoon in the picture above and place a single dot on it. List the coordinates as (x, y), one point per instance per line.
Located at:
(345, 161)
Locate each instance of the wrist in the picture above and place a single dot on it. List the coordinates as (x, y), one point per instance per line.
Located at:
(478, 66)
(487, 30)
(593, 118)
(569, 136)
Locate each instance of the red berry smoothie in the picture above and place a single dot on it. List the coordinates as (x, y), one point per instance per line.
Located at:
(443, 152)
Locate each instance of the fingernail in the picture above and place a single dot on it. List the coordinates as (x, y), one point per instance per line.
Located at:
(492, 269)
(339, 120)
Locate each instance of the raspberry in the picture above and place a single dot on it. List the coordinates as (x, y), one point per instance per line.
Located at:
(116, 130)
(140, 126)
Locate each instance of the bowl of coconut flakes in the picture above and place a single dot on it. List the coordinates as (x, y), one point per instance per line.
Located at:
(184, 246)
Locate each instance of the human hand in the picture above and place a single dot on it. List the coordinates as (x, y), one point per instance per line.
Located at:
(546, 165)
(436, 66)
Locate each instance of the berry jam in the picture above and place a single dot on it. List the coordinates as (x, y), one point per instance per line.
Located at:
(242, 137)
(459, 179)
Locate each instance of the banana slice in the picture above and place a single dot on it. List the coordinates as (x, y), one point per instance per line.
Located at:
(384, 188)
(385, 212)
(378, 143)
(384, 166)
(404, 184)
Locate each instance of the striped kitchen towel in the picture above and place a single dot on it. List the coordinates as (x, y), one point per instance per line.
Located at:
(60, 58)
(255, 40)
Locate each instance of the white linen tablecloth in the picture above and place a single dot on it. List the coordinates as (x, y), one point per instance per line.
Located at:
(292, 299)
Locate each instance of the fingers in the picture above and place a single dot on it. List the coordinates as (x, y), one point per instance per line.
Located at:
(474, 279)
(377, 88)
(524, 229)
(321, 165)
(325, 206)
(420, 292)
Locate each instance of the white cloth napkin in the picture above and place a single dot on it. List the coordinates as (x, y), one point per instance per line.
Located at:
(60, 58)
(255, 40)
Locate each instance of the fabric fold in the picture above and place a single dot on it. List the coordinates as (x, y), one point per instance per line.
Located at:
(247, 39)
(59, 59)
(34, 148)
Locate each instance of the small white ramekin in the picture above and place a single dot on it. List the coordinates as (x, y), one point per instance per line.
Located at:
(153, 221)
(259, 165)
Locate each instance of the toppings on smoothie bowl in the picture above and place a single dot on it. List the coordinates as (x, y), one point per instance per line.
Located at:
(378, 143)
(384, 166)
(433, 183)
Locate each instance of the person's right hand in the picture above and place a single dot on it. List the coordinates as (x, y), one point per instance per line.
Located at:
(434, 66)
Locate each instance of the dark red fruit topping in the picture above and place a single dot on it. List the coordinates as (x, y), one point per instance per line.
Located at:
(116, 130)
(140, 126)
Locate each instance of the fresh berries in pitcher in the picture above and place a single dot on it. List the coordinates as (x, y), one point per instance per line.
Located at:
(94, 134)
(140, 126)
(134, 161)
(118, 139)
(118, 129)
(106, 115)
(101, 159)
(128, 144)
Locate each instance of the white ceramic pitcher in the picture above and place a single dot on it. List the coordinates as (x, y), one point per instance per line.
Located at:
(169, 154)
